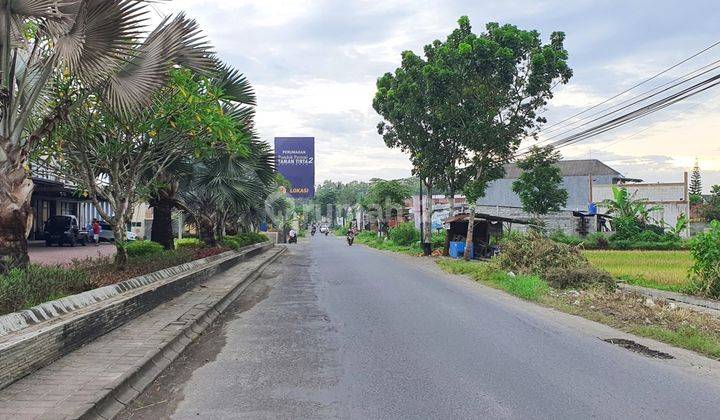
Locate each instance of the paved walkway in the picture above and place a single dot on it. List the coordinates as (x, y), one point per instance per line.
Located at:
(71, 386)
(41, 254)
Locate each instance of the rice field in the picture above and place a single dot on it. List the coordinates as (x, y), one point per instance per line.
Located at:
(667, 270)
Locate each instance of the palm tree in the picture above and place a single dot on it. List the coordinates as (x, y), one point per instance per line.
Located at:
(97, 44)
(225, 185)
(237, 99)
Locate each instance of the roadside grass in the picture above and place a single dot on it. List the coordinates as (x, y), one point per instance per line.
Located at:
(688, 338)
(525, 287)
(625, 311)
(664, 270)
(370, 239)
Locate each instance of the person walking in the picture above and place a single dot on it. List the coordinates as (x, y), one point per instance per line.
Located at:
(96, 229)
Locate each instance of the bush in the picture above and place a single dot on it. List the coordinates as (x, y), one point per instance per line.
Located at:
(404, 234)
(21, 289)
(243, 239)
(705, 272)
(596, 240)
(438, 240)
(341, 231)
(187, 243)
(563, 238)
(578, 277)
(143, 248)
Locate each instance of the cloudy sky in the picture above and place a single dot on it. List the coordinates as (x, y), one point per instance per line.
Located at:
(314, 66)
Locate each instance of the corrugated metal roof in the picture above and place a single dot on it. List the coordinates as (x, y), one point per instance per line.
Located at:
(579, 167)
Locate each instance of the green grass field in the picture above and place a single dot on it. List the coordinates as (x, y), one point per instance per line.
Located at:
(666, 270)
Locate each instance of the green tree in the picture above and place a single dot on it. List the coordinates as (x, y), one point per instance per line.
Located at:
(493, 83)
(696, 181)
(413, 103)
(540, 185)
(95, 42)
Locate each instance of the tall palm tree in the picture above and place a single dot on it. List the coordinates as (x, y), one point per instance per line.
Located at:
(225, 185)
(237, 99)
(99, 44)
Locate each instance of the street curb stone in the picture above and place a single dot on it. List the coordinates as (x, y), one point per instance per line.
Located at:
(134, 382)
(706, 305)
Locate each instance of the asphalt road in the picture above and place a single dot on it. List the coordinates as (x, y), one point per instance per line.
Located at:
(332, 331)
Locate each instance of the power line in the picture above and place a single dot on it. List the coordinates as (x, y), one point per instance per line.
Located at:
(635, 114)
(638, 84)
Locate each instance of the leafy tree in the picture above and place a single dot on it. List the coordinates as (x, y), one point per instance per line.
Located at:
(412, 102)
(490, 86)
(540, 185)
(93, 41)
(384, 195)
(696, 181)
(110, 154)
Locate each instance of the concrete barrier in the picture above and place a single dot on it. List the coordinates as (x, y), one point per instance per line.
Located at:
(38, 336)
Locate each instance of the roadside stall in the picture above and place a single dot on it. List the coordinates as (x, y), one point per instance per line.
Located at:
(485, 228)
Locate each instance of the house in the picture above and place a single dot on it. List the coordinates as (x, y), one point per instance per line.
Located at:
(586, 181)
(53, 196)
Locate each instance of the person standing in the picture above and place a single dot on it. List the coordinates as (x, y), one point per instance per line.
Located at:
(96, 229)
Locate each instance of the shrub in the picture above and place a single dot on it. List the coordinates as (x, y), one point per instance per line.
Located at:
(187, 243)
(597, 240)
(705, 272)
(438, 240)
(563, 238)
(578, 277)
(404, 234)
(341, 231)
(20, 289)
(143, 248)
(243, 239)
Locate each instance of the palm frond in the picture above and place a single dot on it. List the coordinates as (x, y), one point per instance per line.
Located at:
(235, 85)
(100, 34)
(173, 42)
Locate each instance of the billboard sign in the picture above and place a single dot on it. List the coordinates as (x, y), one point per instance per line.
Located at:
(295, 160)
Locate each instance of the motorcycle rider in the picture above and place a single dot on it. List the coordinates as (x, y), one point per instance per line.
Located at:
(350, 236)
(293, 236)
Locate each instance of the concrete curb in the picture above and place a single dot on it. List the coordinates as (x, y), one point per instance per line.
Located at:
(134, 382)
(706, 305)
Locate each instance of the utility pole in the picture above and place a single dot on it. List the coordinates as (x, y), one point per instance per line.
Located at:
(422, 230)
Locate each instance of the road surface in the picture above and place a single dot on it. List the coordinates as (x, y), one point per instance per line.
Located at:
(332, 331)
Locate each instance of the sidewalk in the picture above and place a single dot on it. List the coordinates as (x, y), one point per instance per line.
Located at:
(103, 376)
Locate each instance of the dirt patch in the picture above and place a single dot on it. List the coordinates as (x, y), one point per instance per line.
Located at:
(638, 348)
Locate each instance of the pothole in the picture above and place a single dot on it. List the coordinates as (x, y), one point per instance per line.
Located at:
(638, 348)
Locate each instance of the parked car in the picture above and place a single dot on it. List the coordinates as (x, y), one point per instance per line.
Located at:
(107, 234)
(64, 229)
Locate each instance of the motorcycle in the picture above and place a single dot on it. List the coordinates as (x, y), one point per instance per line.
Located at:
(312, 232)
(350, 240)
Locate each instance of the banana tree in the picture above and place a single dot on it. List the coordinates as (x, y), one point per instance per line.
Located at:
(97, 43)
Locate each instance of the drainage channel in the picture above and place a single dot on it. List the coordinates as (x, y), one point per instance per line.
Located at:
(638, 348)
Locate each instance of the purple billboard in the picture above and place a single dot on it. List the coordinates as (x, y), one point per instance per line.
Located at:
(295, 160)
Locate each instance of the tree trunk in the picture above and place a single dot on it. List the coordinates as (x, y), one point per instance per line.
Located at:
(15, 215)
(427, 222)
(451, 213)
(471, 227)
(207, 233)
(162, 229)
(121, 256)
